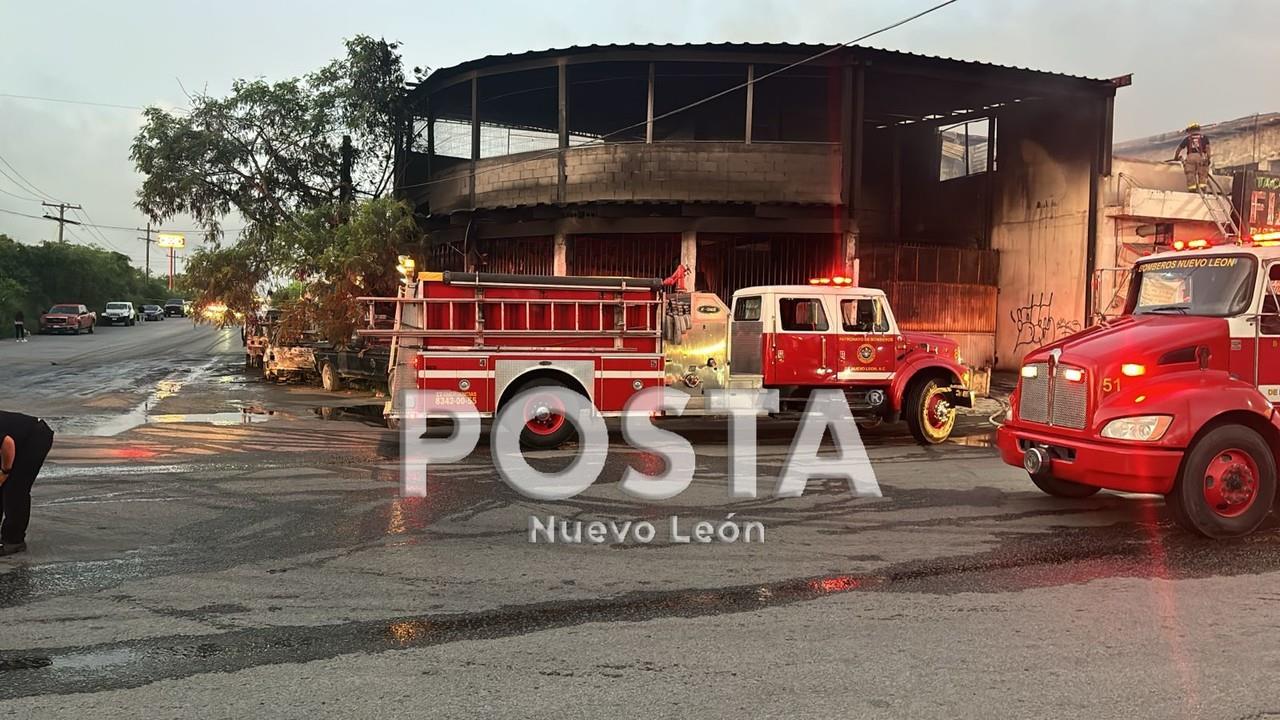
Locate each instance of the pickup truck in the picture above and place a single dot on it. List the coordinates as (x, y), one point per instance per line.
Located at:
(68, 318)
(362, 363)
(121, 313)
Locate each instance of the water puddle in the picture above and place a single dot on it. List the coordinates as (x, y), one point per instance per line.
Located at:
(144, 413)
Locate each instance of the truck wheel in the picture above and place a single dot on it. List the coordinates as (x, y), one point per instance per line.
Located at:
(548, 429)
(1227, 484)
(929, 416)
(329, 378)
(1063, 488)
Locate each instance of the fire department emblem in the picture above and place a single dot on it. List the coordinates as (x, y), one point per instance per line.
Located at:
(866, 354)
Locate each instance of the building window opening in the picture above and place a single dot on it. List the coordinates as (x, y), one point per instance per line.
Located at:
(519, 112)
(679, 84)
(965, 149)
(798, 105)
(451, 112)
(607, 102)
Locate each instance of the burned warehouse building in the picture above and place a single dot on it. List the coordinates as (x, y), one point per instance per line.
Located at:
(967, 191)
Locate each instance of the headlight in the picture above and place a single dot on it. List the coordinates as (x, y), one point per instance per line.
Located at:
(1030, 371)
(1144, 428)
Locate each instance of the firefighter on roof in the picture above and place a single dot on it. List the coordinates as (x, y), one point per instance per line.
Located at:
(1196, 165)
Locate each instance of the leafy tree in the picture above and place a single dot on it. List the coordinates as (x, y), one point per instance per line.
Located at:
(334, 263)
(273, 153)
(269, 150)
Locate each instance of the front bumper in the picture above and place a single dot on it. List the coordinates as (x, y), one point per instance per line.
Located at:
(1113, 466)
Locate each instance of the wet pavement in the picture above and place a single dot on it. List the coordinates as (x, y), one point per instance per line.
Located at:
(244, 550)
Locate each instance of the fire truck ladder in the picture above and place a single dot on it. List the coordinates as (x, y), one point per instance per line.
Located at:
(490, 312)
(1220, 210)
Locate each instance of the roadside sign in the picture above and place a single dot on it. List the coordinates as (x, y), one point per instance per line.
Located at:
(171, 240)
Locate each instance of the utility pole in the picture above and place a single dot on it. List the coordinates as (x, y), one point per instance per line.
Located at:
(62, 215)
(346, 189)
(148, 242)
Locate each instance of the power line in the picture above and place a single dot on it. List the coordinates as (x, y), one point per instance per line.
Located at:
(24, 198)
(90, 103)
(195, 231)
(70, 102)
(690, 106)
(87, 221)
(25, 181)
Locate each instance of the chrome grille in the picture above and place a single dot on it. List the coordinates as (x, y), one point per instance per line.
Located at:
(1033, 405)
(1070, 401)
(1058, 402)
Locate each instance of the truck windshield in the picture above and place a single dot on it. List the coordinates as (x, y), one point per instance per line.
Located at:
(117, 306)
(64, 310)
(1214, 286)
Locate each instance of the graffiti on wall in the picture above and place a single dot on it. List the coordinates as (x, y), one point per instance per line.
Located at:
(1036, 323)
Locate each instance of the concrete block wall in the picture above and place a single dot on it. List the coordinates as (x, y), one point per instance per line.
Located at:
(682, 172)
(703, 172)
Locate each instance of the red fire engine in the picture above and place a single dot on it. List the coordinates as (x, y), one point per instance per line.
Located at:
(491, 337)
(1175, 397)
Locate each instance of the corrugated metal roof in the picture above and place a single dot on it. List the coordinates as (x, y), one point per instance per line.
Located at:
(808, 48)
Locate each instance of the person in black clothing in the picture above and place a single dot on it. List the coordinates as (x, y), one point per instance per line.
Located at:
(19, 327)
(24, 444)
(1196, 166)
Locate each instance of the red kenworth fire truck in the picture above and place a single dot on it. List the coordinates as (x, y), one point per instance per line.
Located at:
(490, 337)
(1174, 397)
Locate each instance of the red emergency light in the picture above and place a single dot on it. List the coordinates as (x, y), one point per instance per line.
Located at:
(834, 280)
(1266, 239)
(1197, 244)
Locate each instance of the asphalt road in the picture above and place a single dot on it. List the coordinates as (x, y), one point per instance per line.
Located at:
(270, 567)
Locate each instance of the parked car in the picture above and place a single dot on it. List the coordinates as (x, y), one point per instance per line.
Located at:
(68, 318)
(119, 313)
(175, 307)
(152, 312)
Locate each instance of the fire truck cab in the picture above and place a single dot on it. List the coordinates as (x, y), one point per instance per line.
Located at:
(497, 339)
(1176, 396)
(796, 338)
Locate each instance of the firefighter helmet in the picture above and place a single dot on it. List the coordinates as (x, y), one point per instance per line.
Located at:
(1193, 126)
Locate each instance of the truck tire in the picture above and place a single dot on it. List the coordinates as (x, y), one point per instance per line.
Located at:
(329, 378)
(1227, 483)
(928, 415)
(1063, 488)
(554, 429)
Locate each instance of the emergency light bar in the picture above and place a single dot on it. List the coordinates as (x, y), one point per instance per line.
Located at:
(835, 280)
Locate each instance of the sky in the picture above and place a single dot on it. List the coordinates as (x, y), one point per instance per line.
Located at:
(1203, 61)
